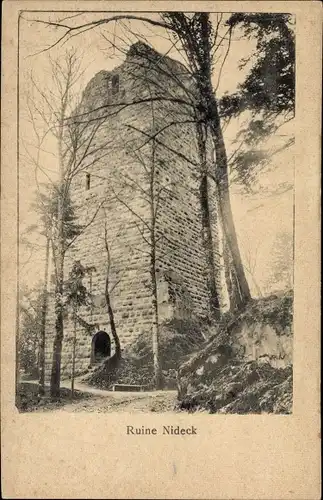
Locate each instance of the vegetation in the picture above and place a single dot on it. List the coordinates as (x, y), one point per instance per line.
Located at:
(28, 398)
(266, 97)
(50, 112)
(238, 387)
(30, 330)
(76, 296)
(178, 338)
(220, 379)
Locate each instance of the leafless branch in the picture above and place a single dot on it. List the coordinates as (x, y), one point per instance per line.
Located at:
(84, 227)
(133, 212)
(71, 30)
(223, 61)
(181, 155)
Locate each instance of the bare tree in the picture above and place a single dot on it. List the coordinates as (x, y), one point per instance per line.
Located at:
(51, 113)
(250, 264)
(198, 39)
(76, 295)
(33, 247)
(108, 290)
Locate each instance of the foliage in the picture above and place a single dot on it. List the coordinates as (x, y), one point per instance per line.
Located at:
(29, 331)
(267, 93)
(76, 294)
(275, 310)
(270, 82)
(247, 165)
(177, 339)
(47, 206)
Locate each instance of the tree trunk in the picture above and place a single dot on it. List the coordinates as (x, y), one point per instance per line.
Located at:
(207, 226)
(222, 183)
(58, 341)
(59, 307)
(59, 256)
(199, 53)
(42, 339)
(158, 376)
(111, 319)
(73, 356)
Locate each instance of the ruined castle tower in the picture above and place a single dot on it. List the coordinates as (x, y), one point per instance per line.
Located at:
(142, 171)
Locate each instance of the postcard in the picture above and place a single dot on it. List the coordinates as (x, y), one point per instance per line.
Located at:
(160, 249)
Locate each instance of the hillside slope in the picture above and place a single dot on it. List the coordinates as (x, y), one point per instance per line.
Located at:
(246, 366)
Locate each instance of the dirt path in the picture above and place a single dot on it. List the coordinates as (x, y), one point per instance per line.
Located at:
(125, 402)
(115, 401)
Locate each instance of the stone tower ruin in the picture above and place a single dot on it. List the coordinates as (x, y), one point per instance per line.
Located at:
(144, 170)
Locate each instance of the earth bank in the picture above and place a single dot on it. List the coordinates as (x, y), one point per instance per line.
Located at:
(246, 366)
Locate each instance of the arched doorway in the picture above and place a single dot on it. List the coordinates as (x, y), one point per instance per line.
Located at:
(101, 347)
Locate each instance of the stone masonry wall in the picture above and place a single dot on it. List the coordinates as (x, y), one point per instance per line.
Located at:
(114, 193)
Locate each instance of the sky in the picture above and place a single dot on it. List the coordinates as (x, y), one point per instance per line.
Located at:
(258, 219)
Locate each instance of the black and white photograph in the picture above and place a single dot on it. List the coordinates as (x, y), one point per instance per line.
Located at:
(156, 208)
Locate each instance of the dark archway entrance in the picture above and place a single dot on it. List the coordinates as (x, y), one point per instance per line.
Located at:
(101, 347)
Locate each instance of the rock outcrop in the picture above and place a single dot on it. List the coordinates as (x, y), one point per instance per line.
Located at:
(246, 366)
